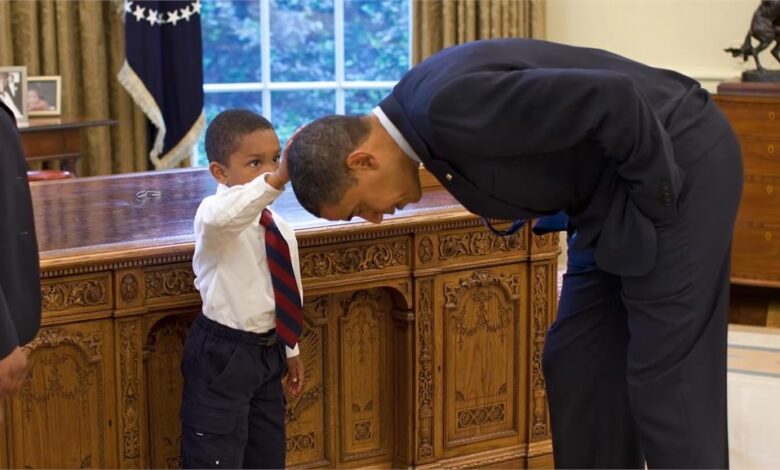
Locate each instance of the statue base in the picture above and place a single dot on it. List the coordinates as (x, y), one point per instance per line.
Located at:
(735, 87)
(767, 76)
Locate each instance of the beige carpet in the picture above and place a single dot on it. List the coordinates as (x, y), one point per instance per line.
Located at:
(754, 397)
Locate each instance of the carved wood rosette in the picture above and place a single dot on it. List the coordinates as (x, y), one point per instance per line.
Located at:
(139, 290)
(427, 254)
(130, 290)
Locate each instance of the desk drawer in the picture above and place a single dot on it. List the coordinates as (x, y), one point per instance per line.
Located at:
(754, 118)
(760, 199)
(756, 251)
(761, 156)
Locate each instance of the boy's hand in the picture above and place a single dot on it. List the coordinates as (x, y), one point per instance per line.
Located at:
(279, 178)
(293, 384)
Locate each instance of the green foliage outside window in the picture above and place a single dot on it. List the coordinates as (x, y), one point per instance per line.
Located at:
(302, 48)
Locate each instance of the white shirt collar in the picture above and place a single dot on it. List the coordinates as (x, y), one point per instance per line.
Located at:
(395, 134)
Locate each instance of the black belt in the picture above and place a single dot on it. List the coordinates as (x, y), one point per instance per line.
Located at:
(268, 338)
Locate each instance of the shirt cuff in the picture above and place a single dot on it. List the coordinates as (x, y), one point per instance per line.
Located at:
(292, 352)
(260, 182)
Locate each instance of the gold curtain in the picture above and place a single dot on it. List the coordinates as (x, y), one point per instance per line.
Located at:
(442, 23)
(83, 42)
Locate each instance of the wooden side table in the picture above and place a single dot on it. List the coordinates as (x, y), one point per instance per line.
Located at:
(57, 138)
(754, 112)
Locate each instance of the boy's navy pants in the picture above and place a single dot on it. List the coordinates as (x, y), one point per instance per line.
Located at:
(233, 407)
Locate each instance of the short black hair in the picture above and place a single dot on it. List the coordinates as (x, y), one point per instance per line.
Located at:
(227, 129)
(316, 159)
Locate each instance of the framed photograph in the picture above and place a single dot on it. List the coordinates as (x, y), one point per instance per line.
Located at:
(44, 95)
(13, 90)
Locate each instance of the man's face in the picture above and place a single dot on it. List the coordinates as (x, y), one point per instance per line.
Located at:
(383, 186)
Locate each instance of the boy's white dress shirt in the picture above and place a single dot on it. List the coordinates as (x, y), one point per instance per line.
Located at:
(230, 263)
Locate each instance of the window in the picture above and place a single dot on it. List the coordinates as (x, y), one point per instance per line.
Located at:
(295, 60)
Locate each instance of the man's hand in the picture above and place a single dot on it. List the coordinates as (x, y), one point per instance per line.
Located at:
(13, 370)
(293, 384)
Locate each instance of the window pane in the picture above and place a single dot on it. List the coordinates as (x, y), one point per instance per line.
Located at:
(363, 101)
(231, 41)
(302, 40)
(292, 109)
(218, 102)
(376, 39)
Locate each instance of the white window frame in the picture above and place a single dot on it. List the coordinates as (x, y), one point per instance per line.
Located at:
(266, 86)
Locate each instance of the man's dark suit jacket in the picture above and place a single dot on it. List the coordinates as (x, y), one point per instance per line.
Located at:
(519, 128)
(20, 287)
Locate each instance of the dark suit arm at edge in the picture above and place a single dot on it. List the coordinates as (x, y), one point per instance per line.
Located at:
(8, 336)
(12, 165)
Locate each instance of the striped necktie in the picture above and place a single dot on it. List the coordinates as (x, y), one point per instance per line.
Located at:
(289, 315)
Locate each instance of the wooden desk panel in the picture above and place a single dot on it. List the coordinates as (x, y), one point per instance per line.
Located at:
(423, 335)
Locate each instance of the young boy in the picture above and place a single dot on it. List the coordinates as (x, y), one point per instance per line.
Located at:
(239, 348)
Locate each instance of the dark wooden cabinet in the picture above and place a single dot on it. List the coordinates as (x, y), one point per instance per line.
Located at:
(754, 113)
(47, 139)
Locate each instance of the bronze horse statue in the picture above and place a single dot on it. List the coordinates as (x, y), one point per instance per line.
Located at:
(765, 27)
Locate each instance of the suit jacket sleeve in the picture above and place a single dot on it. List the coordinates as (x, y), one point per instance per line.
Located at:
(20, 302)
(8, 335)
(534, 111)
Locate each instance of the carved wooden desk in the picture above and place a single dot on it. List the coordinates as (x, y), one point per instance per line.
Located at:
(422, 344)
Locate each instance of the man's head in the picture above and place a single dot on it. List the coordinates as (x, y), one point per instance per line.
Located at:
(349, 166)
(241, 145)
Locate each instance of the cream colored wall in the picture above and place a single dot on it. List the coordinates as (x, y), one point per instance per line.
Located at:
(683, 35)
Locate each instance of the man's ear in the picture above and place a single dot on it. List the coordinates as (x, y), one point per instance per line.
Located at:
(361, 160)
(218, 171)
